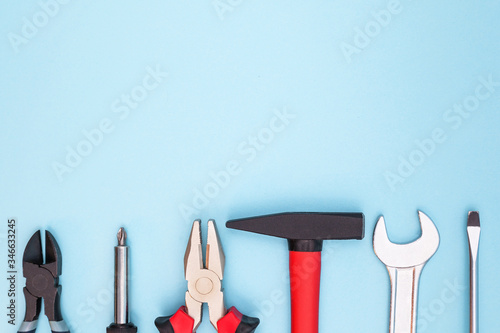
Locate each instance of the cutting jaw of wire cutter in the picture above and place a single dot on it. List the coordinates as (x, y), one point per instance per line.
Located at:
(204, 279)
(42, 282)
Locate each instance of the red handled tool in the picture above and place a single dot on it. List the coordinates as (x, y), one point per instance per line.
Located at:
(305, 233)
(205, 286)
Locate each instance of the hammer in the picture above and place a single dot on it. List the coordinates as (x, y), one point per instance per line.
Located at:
(305, 233)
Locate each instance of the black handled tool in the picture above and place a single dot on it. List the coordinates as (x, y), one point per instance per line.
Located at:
(42, 281)
(121, 323)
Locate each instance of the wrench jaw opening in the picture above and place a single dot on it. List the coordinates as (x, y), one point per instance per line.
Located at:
(406, 255)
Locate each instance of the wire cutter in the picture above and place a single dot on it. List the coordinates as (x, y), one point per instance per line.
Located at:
(205, 286)
(42, 281)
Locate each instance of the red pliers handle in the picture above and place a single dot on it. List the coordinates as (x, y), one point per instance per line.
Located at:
(232, 322)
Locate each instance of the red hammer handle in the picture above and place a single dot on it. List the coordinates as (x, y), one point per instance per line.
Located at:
(305, 273)
(305, 233)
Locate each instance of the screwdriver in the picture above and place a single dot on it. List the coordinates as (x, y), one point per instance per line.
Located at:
(473, 233)
(121, 323)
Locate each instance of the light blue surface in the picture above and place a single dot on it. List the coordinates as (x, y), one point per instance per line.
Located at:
(227, 78)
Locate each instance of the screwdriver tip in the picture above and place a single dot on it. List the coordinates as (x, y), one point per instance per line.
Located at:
(122, 236)
(473, 220)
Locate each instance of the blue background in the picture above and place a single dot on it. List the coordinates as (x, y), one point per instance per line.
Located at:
(353, 123)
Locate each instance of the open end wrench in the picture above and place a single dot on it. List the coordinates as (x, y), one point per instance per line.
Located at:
(405, 263)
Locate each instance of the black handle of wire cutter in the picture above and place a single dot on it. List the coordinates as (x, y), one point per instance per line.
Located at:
(55, 327)
(58, 327)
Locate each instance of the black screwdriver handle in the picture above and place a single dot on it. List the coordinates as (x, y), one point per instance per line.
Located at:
(121, 328)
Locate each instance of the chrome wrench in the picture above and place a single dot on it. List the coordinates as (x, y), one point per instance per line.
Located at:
(405, 263)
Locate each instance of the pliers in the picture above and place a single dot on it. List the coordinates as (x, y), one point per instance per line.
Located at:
(205, 286)
(42, 281)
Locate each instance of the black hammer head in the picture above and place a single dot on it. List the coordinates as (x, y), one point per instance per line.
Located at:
(304, 226)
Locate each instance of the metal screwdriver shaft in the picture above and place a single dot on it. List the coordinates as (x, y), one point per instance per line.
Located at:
(121, 279)
(121, 323)
(473, 233)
